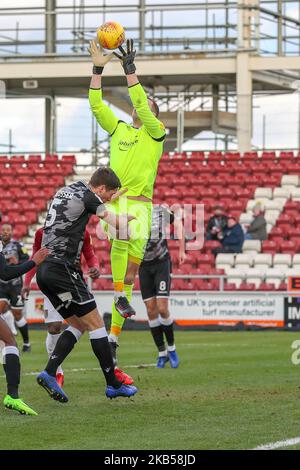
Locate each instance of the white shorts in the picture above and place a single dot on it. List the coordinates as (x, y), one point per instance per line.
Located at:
(51, 315)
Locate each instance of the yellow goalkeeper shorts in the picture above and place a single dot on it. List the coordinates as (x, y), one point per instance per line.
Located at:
(139, 228)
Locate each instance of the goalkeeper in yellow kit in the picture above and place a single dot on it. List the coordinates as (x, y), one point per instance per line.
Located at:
(135, 151)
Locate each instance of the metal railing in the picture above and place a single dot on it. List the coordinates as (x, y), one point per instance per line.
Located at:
(156, 28)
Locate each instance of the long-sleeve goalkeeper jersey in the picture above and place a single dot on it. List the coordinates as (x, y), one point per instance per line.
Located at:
(134, 153)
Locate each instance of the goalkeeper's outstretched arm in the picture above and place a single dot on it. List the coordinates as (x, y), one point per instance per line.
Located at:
(137, 94)
(140, 102)
(103, 114)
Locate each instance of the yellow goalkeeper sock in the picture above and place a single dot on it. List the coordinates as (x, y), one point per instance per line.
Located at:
(119, 260)
(117, 321)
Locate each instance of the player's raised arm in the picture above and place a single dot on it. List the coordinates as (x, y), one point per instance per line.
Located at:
(104, 115)
(139, 99)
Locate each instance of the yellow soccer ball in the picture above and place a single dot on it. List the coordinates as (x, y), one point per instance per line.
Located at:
(111, 35)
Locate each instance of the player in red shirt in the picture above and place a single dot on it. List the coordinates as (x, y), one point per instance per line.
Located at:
(53, 319)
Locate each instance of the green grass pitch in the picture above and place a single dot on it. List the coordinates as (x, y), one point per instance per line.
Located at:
(233, 390)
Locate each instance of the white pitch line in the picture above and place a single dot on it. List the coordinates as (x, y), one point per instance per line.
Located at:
(138, 366)
(278, 444)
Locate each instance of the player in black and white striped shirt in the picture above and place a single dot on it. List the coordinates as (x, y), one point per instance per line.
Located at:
(155, 283)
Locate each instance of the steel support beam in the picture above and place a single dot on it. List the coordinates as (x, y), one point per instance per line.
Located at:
(142, 24)
(50, 125)
(244, 102)
(50, 47)
(50, 26)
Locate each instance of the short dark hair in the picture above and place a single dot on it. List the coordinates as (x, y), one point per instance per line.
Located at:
(105, 176)
(155, 106)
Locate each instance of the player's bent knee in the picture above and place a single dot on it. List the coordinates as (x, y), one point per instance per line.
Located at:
(164, 313)
(18, 314)
(163, 307)
(92, 320)
(54, 328)
(10, 340)
(152, 308)
(3, 307)
(152, 311)
(77, 323)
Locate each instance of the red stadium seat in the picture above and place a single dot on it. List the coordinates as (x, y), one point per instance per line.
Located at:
(229, 286)
(289, 247)
(277, 240)
(209, 245)
(247, 286)
(282, 286)
(23, 172)
(7, 171)
(31, 216)
(295, 238)
(40, 171)
(197, 155)
(264, 286)
(292, 168)
(20, 159)
(67, 168)
(35, 158)
(286, 155)
(206, 259)
(178, 284)
(234, 156)
(292, 205)
(268, 155)
(250, 156)
(216, 154)
(51, 158)
(69, 159)
(269, 247)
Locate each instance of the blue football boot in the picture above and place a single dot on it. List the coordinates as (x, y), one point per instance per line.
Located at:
(51, 386)
(174, 359)
(123, 391)
(161, 361)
